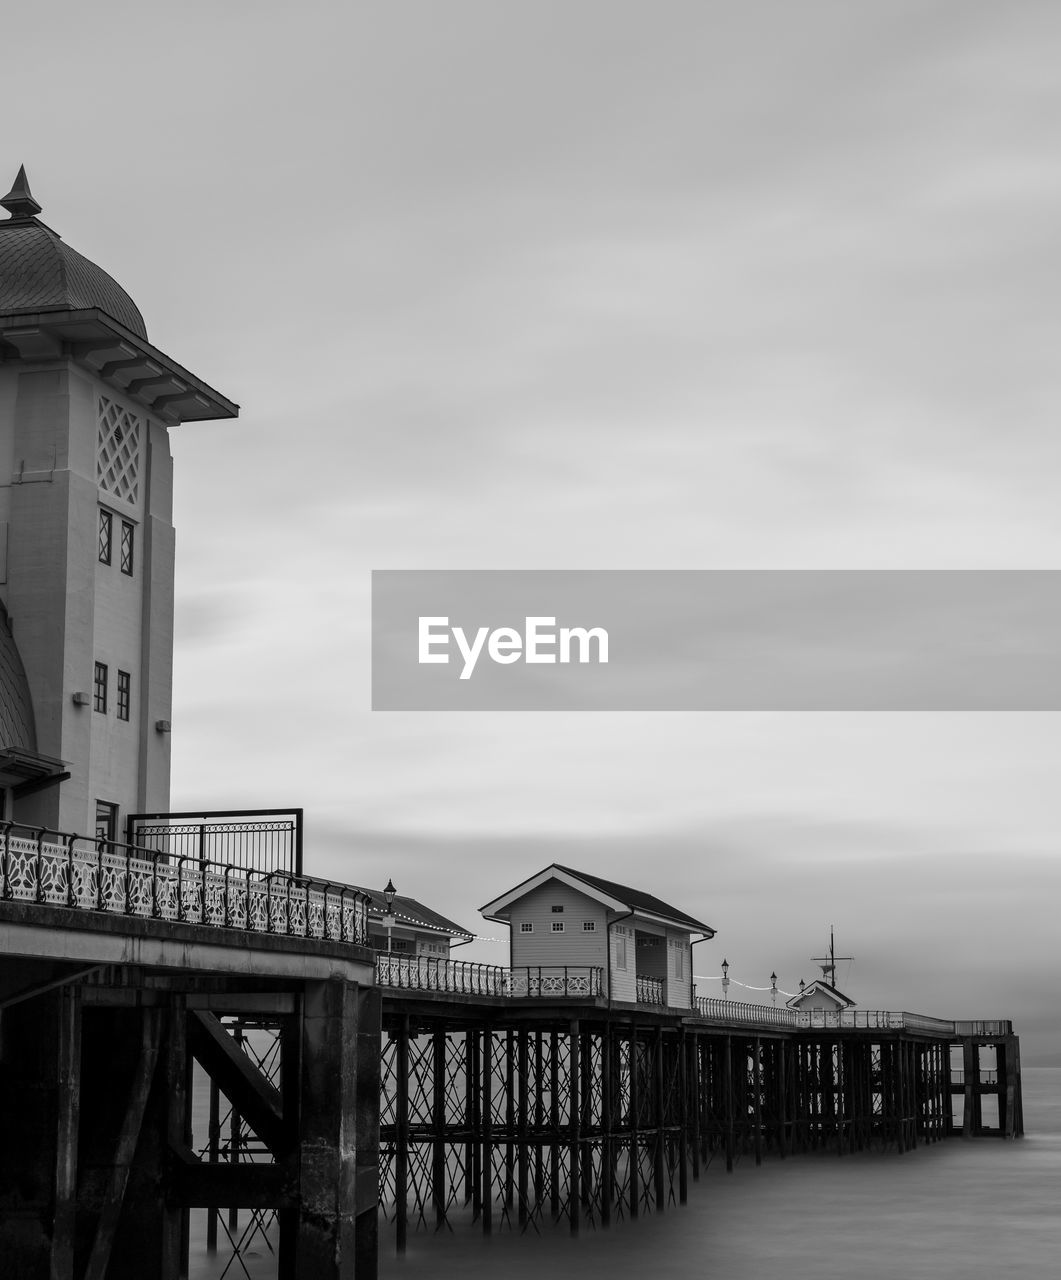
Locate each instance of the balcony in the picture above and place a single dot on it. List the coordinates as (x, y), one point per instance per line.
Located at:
(648, 990)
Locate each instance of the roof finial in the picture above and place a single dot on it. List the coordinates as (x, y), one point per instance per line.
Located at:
(19, 201)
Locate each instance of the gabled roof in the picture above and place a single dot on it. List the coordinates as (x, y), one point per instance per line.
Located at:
(819, 984)
(617, 897)
(410, 912)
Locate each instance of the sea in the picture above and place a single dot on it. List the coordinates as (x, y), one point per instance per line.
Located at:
(977, 1209)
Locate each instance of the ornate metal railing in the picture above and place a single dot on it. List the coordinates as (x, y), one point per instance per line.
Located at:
(762, 1015)
(464, 977)
(60, 869)
(716, 1010)
(547, 981)
(434, 973)
(648, 990)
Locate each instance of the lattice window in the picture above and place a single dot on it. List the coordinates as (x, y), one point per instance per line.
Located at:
(127, 548)
(526, 926)
(589, 926)
(105, 523)
(118, 453)
(558, 926)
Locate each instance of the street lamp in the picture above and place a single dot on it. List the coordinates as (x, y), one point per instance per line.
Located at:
(773, 987)
(388, 919)
(725, 979)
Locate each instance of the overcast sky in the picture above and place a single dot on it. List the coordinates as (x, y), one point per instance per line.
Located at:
(597, 284)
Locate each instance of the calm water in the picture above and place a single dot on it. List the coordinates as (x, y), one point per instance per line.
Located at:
(976, 1210)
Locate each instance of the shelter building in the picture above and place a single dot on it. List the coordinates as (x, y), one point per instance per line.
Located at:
(564, 918)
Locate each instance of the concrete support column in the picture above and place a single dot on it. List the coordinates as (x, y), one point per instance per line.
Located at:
(335, 1223)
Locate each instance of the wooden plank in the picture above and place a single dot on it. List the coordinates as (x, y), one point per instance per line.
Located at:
(99, 1259)
(257, 1100)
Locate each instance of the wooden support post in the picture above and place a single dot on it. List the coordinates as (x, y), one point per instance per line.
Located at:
(213, 1156)
(972, 1123)
(523, 1127)
(486, 1128)
(607, 1156)
(634, 1126)
(69, 1108)
(106, 1229)
(727, 1099)
(658, 1115)
(235, 1134)
(757, 1098)
(683, 1116)
(554, 1124)
(510, 1118)
(401, 1136)
(781, 1086)
(438, 1107)
(175, 1221)
(539, 1118)
(696, 1082)
(574, 1096)
(586, 1065)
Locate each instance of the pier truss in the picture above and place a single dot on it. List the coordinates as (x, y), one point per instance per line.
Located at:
(517, 1118)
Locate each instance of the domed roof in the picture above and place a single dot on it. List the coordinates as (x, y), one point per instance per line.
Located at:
(40, 273)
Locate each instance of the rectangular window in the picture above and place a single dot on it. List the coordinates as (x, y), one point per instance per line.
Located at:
(620, 953)
(104, 536)
(589, 926)
(106, 820)
(127, 548)
(526, 927)
(101, 686)
(558, 926)
(557, 910)
(679, 962)
(124, 686)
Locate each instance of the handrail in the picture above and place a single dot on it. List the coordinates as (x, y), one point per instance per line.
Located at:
(56, 868)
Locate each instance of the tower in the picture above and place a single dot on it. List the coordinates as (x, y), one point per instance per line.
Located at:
(86, 536)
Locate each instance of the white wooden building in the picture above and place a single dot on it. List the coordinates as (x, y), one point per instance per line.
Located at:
(821, 995)
(566, 918)
(416, 931)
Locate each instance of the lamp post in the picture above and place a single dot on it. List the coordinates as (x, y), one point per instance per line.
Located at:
(388, 919)
(725, 979)
(773, 987)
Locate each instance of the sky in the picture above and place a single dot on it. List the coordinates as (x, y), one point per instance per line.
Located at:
(597, 285)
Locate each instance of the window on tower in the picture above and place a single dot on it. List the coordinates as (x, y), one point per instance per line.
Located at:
(124, 687)
(127, 548)
(101, 686)
(105, 523)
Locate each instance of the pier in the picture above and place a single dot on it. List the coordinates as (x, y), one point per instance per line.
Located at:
(351, 1091)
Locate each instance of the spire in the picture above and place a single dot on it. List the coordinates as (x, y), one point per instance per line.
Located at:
(19, 201)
